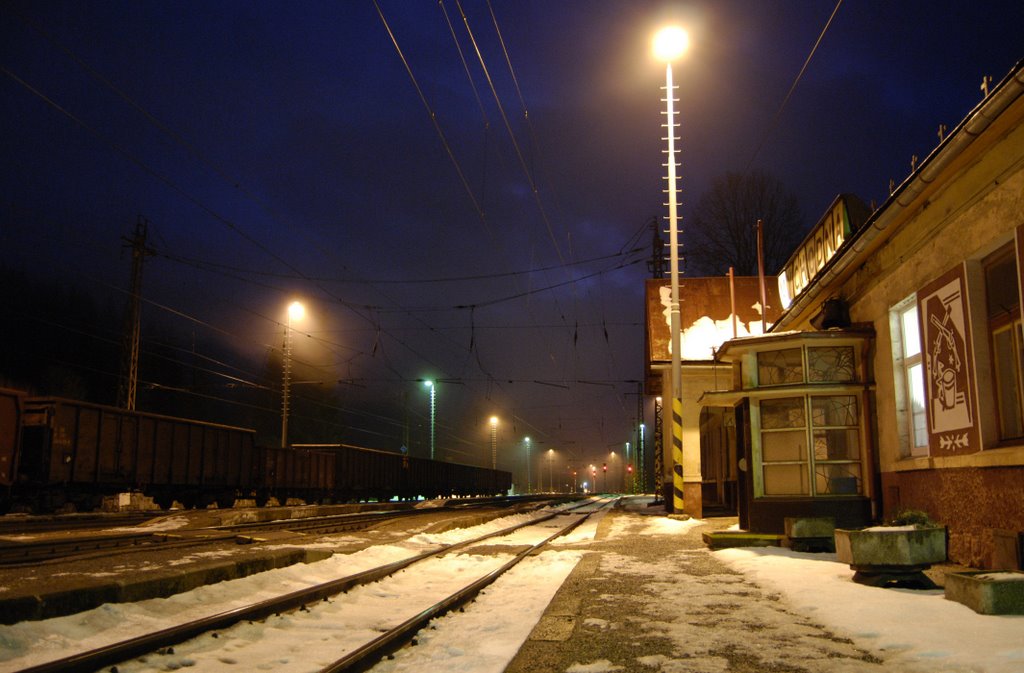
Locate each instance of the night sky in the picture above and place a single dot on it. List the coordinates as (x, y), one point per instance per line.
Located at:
(282, 151)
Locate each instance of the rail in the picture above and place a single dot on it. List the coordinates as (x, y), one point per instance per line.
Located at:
(121, 651)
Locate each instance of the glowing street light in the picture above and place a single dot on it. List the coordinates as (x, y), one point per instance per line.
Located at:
(551, 478)
(494, 442)
(669, 44)
(529, 488)
(295, 313)
(433, 415)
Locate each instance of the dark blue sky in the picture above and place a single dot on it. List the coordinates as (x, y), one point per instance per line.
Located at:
(282, 149)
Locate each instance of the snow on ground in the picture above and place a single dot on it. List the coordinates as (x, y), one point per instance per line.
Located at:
(486, 637)
(28, 643)
(919, 628)
(916, 629)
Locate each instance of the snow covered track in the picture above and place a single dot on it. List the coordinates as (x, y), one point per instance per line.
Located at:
(314, 604)
(366, 656)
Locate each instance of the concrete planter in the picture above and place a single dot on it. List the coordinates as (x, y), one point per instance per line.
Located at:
(892, 555)
(989, 592)
(810, 534)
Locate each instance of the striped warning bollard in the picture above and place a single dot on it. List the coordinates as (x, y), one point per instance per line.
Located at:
(677, 455)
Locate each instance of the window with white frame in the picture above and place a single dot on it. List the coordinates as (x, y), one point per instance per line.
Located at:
(909, 370)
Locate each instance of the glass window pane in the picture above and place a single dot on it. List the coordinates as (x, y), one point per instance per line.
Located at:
(1007, 369)
(785, 445)
(830, 364)
(837, 479)
(1001, 287)
(834, 410)
(785, 480)
(787, 412)
(837, 444)
(779, 367)
(915, 375)
(911, 333)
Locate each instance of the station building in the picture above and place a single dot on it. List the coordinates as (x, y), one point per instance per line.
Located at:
(890, 376)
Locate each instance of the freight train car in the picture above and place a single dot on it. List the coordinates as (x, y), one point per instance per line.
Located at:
(364, 474)
(294, 473)
(58, 453)
(74, 453)
(10, 438)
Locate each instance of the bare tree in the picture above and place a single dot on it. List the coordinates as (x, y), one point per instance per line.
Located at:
(723, 230)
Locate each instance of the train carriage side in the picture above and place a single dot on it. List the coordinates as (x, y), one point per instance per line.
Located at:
(77, 452)
(10, 442)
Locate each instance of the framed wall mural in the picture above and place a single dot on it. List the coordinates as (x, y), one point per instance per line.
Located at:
(949, 361)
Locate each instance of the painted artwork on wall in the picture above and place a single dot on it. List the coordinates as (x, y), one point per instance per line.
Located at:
(952, 406)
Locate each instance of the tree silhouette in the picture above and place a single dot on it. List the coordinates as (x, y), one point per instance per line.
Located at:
(723, 230)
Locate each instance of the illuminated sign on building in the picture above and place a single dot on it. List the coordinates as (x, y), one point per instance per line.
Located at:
(845, 216)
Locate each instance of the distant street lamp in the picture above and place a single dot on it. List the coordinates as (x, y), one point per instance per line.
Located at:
(640, 460)
(295, 312)
(433, 414)
(625, 474)
(529, 488)
(551, 478)
(494, 442)
(670, 44)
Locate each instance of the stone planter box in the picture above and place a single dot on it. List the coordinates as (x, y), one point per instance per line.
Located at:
(989, 592)
(892, 555)
(810, 534)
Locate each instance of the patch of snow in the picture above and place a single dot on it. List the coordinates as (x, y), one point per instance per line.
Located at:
(912, 628)
(599, 666)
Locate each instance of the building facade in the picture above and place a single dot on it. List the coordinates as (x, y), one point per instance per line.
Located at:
(893, 378)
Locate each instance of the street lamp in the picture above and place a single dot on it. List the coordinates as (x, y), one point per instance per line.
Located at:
(640, 458)
(551, 461)
(433, 414)
(295, 312)
(494, 442)
(669, 44)
(625, 475)
(529, 488)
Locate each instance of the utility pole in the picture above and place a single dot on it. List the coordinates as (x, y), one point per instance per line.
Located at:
(656, 264)
(132, 322)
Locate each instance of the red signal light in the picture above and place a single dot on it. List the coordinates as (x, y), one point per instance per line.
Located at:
(629, 468)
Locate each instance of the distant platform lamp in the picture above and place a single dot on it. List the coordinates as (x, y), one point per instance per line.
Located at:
(295, 313)
(433, 415)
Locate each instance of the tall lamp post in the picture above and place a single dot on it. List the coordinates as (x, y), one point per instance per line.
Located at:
(295, 312)
(551, 462)
(494, 442)
(625, 473)
(433, 415)
(669, 44)
(640, 459)
(529, 487)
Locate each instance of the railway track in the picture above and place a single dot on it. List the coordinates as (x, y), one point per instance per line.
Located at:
(16, 550)
(17, 524)
(323, 603)
(78, 547)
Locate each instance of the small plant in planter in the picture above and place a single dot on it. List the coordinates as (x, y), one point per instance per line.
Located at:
(897, 553)
(911, 517)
